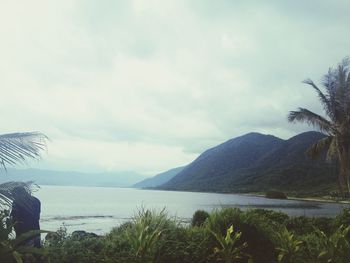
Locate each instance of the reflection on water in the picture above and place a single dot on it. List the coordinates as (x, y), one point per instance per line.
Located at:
(98, 209)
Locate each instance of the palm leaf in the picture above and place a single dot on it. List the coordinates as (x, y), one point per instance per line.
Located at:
(18, 147)
(332, 152)
(326, 102)
(6, 191)
(320, 146)
(304, 115)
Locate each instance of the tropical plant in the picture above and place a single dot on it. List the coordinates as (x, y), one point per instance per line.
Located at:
(6, 191)
(17, 148)
(14, 249)
(290, 248)
(146, 230)
(335, 99)
(258, 231)
(336, 248)
(181, 243)
(229, 250)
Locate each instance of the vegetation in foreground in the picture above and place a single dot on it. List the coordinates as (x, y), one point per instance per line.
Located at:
(225, 235)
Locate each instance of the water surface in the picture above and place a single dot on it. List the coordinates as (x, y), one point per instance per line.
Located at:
(99, 209)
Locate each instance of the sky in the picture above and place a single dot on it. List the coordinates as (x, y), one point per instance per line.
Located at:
(147, 86)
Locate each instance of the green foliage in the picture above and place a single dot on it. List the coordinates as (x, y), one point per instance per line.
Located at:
(153, 236)
(276, 217)
(199, 217)
(78, 251)
(289, 248)
(342, 219)
(146, 230)
(336, 248)
(228, 249)
(258, 231)
(304, 225)
(13, 249)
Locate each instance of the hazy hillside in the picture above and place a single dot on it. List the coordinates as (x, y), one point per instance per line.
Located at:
(257, 162)
(48, 177)
(159, 178)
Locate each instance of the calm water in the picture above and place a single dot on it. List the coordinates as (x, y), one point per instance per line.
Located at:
(98, 209)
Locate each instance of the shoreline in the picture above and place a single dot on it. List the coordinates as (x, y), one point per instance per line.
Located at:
(308, 199)
(257, 194)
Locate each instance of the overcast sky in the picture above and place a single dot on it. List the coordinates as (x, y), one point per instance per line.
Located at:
(148, 85)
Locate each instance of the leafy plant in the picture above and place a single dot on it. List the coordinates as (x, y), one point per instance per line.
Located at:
(14, 249)
(336, 248)
(290, 248)
(146, 230)
(199, 217)
(228, 250)
(154, 237)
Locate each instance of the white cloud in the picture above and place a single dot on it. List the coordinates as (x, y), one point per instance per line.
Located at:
(147, 86)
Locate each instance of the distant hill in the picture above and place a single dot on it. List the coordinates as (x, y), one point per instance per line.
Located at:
(48, 177)
(257, 163)
(158, 179)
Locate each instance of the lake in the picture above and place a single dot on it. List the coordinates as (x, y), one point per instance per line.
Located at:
(99, 209)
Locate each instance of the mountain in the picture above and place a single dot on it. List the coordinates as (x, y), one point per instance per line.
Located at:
(69, 178)
(158, 179)
(255, 163)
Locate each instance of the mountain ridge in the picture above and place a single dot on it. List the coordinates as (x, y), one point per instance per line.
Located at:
(257, 162)
(158, 179)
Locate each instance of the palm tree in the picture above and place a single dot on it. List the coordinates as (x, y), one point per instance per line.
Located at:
(17, 148)
(335, 99)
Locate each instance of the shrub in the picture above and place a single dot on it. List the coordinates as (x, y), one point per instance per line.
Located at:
(147, 229)
(342, 219)
(277, 217)
(199, 218)
(289, 248)
(12, 249)
(302, 225)
(228, 249)
(184, 245)
(337, 246)
(265, 235)
(258, 232)
(275, 195)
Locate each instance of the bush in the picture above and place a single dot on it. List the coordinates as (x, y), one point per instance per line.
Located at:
(277, 217)
(302, 225)
(275, 195)
(342, 219)
(266, 235)
(199, 218)
(12, 249)
(259, 232)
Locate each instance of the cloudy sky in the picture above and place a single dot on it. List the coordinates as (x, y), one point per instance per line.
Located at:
(148, 85)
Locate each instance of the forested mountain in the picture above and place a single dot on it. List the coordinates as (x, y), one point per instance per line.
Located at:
(158, 179)
(256, 162)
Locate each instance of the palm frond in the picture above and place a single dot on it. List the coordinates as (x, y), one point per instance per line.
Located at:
(319, 147)
(18, 147)
(6, 191)
(306, 116)
(337, 84)
(332, 153)
(326, 102)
